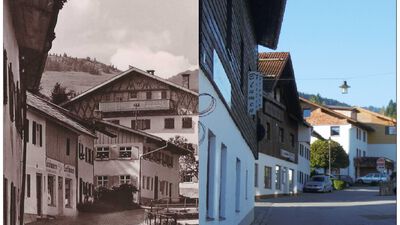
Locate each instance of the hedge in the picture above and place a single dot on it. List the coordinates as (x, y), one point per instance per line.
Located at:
(339, 184)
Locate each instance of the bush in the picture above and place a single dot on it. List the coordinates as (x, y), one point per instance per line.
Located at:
(339, 184)
(122, 195)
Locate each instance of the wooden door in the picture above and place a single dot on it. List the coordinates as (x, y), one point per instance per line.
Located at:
(39, 193)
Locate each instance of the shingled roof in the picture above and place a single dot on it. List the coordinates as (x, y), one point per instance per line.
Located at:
(271, 64)
(55, 113)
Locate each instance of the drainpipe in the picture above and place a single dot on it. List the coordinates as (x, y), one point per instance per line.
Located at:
(140, 169)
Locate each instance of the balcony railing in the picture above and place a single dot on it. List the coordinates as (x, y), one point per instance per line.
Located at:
(140, 105)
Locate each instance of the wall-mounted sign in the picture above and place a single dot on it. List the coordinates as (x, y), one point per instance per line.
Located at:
(380, 164)
(254, 92)
(288, 155)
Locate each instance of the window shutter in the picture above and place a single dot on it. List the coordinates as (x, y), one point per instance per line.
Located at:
(34, 132)
(40, 135)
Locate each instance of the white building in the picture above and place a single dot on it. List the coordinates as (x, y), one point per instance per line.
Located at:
(52, 155)
(118, 160)
(343, 128)
(28, 29)
(283, 160)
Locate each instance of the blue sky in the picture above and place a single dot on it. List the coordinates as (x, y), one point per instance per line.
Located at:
(348, 40)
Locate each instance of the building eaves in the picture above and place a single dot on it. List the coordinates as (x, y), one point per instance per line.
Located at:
(54, 113)
(338, 115)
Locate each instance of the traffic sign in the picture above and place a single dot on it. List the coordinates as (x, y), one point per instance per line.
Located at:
(380, 164)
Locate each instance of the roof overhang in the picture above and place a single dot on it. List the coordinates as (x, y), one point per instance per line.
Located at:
(34, 23)
(268, 17)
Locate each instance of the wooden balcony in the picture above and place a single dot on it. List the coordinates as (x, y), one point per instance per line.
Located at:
(139, 105)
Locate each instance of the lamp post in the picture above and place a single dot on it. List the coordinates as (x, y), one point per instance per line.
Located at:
(329, 147)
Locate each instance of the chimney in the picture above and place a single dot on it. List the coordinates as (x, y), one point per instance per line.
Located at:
(185, 80)
(150, 72)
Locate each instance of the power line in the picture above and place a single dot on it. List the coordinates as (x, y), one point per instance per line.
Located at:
(340, 78)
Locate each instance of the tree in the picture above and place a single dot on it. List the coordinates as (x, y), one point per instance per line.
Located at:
(59, 94)
(188, 164)
(316, 99)
(391, 110)
(320, 155)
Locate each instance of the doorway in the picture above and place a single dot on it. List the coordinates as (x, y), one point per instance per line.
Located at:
(60, 196)
(39, 193)
(155, 187)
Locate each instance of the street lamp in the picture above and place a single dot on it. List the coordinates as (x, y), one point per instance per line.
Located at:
(344, 87)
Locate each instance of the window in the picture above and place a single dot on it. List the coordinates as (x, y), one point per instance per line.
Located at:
(238, 183)
(26, 132)
(33, 132)
(68, 193)
(125, 152)
(256, 175)
(40, 135)
(390, 130)
(306, 113)
(292, 140)
(185, 80)
(148, 183)
(143, 182)
(86, 154)
(278, 177)
(163, 94)
(148, 95)
(281, 135)
(268, 131)
(151, 184)
(68, 146)
(124, 179)
(169, 123)
(28, 185)
(364, 136)
(37, 134)
(364, 154)
(102, 181)
(223, 186)
(221, 79)
(267, 177)
(187, 122)
(133, 94)
(142, 124)
(51, 190)
(335, 130)
(103, 153)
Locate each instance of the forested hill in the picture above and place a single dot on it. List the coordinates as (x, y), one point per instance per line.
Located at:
(65, 63)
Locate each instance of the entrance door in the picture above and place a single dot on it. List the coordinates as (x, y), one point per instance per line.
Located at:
(60, 196)
(155, 187)
(291, 182)
(39, 193)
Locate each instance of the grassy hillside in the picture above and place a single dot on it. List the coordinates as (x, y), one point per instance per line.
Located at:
(77, 81)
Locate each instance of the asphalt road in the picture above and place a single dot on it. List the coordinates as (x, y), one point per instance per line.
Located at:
(354, 206)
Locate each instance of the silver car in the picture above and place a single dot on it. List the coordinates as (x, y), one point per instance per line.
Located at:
(373, 177)
(318, 183)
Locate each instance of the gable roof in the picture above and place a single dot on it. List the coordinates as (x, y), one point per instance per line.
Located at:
(380, 116)
(128, 73)
(55, 113)
(338, 115)
(173, 148)
(277, 69)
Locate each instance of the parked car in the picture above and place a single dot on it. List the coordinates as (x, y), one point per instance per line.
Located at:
(373, 178)
(346, 178)
(318, 183)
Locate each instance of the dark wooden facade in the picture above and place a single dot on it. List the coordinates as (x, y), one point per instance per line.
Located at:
(86, 106)
(214, 37)
(57, 138)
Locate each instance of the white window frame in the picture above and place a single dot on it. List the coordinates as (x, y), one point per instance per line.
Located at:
(102, 149)
(124, 179)
(125, 150)
(102, 181)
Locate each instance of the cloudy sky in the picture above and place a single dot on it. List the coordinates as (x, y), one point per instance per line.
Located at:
(148, 34)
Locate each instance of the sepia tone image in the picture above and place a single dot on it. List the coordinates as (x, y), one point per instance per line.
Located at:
(100, 112)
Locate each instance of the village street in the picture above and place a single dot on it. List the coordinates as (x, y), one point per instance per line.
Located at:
(354, 206)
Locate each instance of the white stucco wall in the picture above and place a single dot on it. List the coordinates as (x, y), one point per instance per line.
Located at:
(157, 126)
(36, 164)
(220, 123)
(348, 140)
(383, 150)
(266, 160)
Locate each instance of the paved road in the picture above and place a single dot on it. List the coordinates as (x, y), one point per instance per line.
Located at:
(355, 206)
(128, 217)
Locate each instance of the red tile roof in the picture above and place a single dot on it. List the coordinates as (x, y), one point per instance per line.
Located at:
(271, 64)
